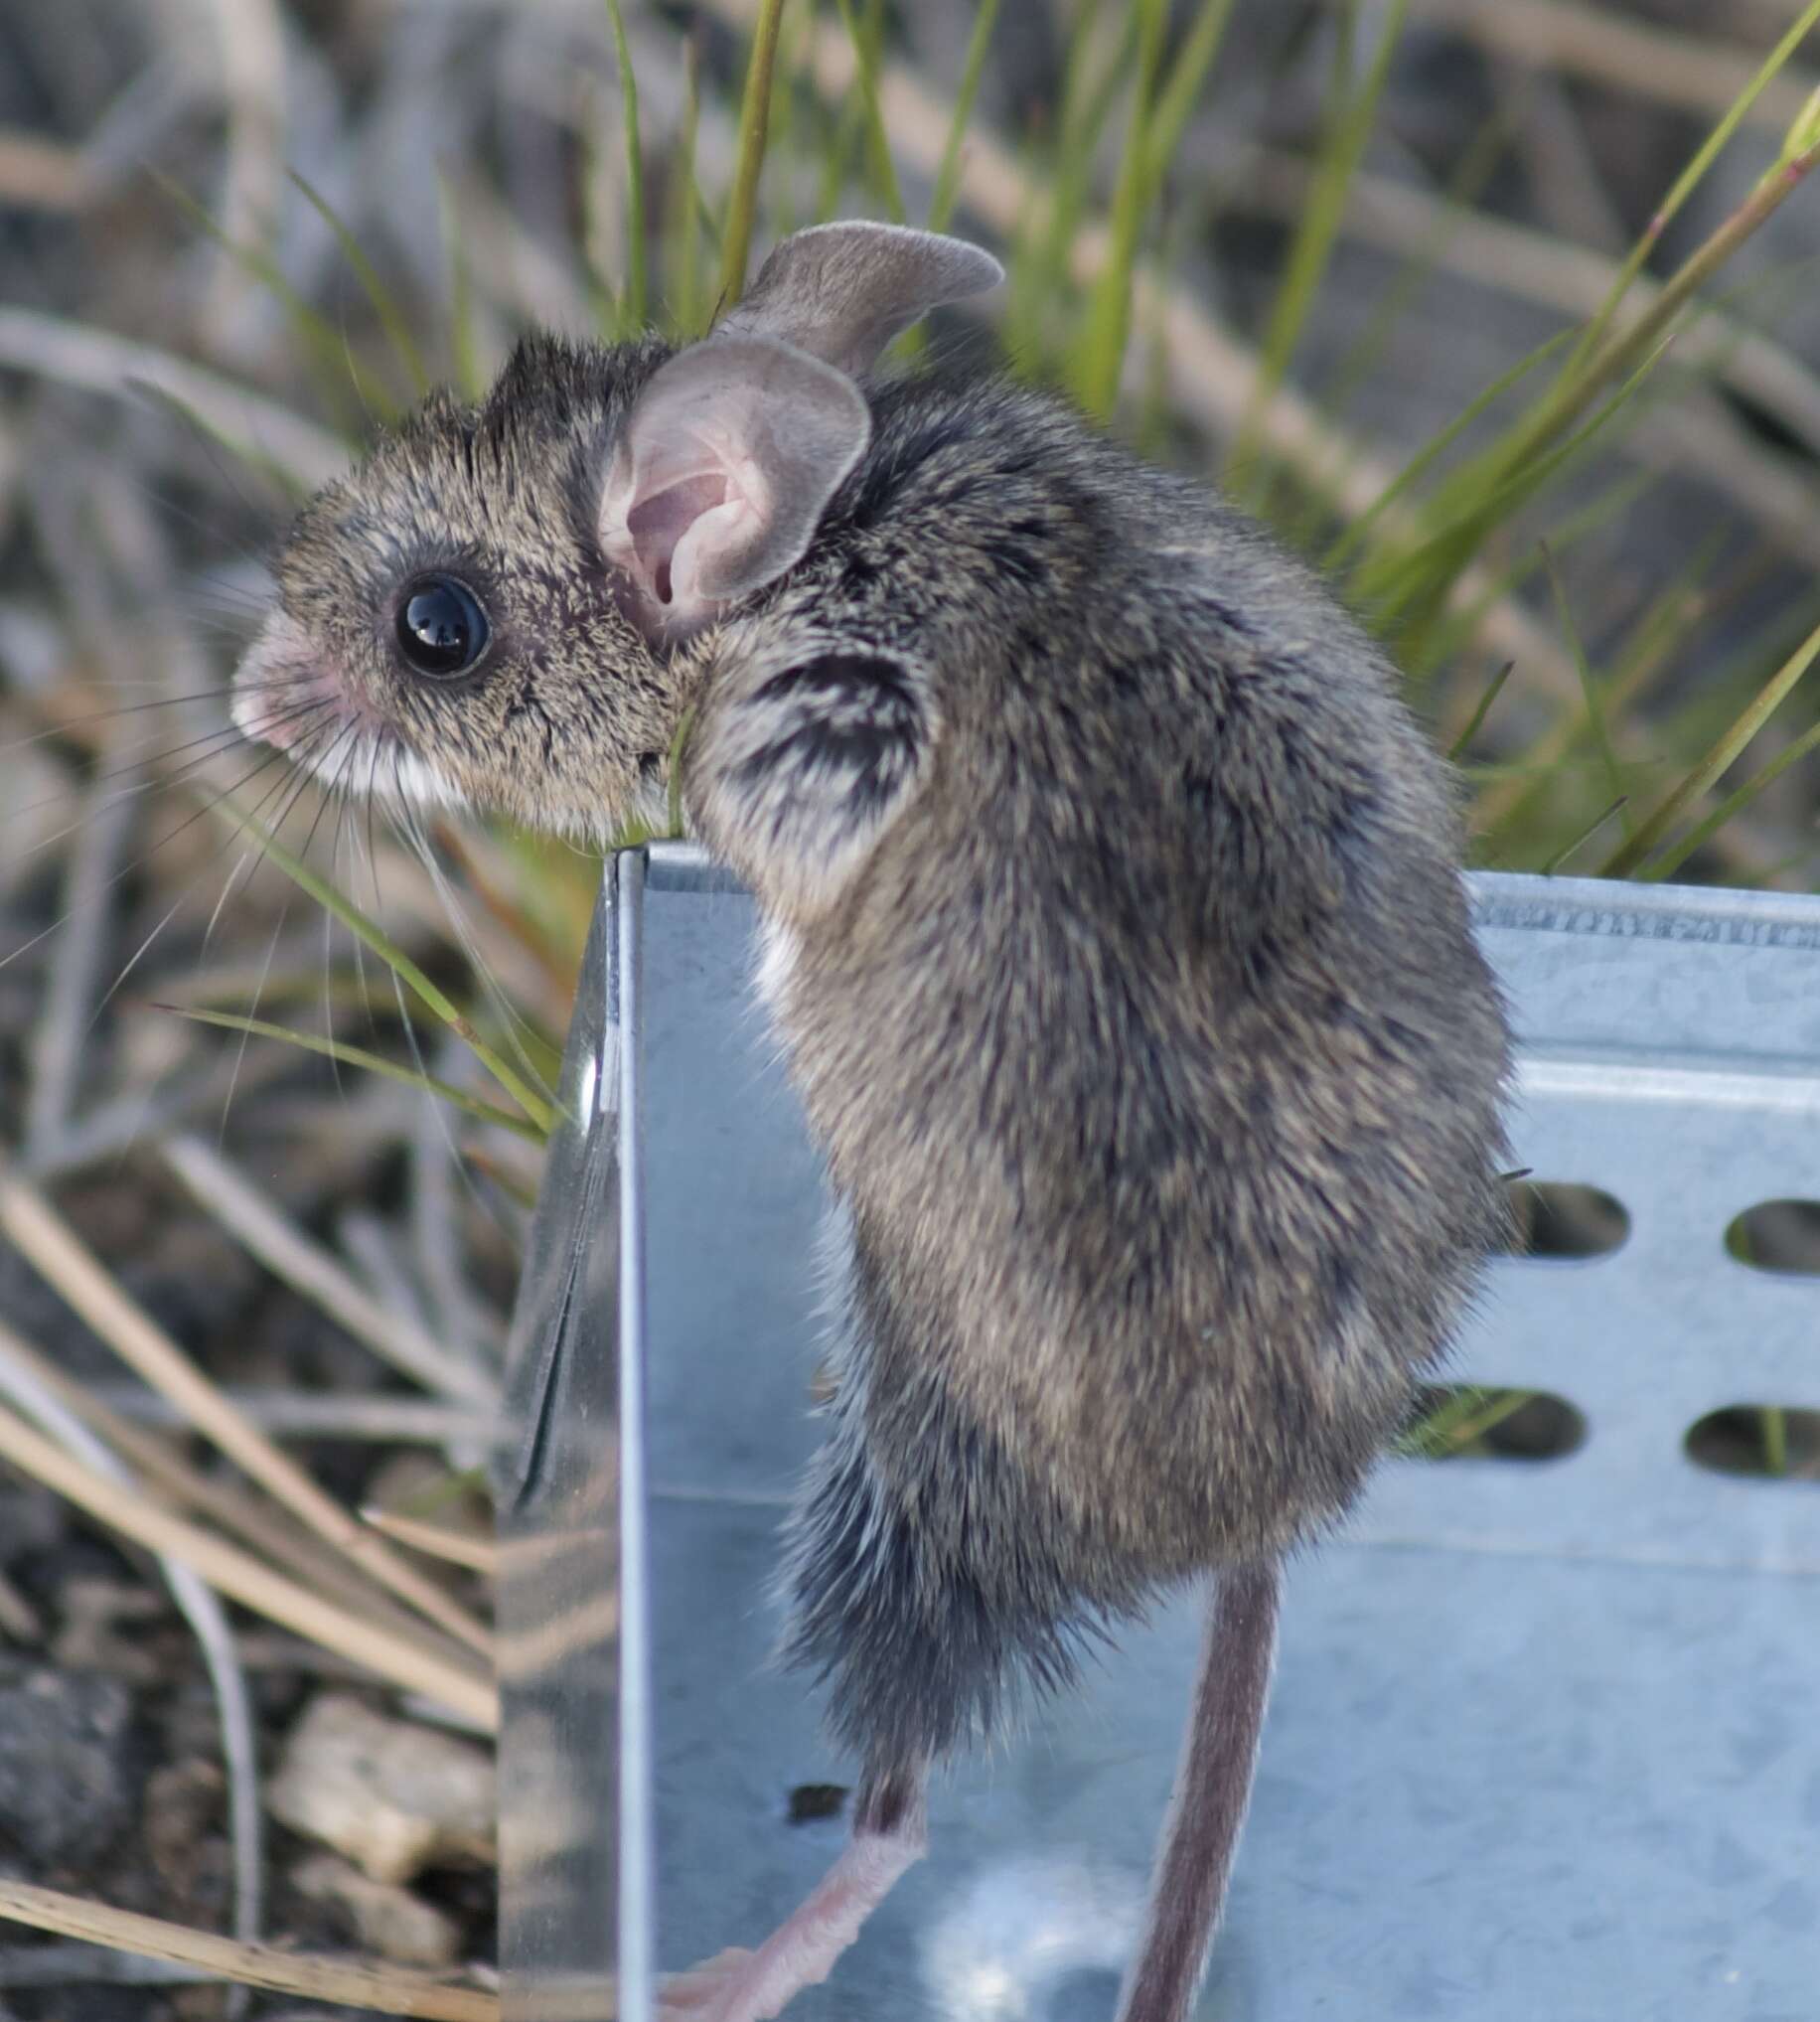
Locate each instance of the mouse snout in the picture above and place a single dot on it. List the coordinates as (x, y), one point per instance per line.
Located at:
(283, 695)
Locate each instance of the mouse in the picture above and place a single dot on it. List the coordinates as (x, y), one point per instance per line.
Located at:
(1113, 925)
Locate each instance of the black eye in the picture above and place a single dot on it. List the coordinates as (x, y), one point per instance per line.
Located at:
(442, 630)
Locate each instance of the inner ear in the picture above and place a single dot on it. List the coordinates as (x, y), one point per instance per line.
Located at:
(721, 474)
(657, 523)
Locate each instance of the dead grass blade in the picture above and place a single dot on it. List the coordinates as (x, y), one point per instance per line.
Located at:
(244, 1578)
(1724, 753)
(55, 1251)
(201, 1607)
(227, 1194)
(240, 1512)
(77, 355)
(380, 1990)
(454, 1547)
(41, 175)
(1636, 58)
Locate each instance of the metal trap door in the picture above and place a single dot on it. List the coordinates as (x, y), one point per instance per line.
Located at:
(1540, 1742)
(576, 1919)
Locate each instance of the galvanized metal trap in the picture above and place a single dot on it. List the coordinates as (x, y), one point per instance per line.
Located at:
(1544, 1742)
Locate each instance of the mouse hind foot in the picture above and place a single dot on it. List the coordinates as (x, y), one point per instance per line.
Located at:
(889, 1838)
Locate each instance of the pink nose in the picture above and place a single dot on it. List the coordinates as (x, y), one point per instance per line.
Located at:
(275, 715)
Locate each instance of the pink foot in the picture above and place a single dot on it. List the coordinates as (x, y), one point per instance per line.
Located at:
(753, 1986)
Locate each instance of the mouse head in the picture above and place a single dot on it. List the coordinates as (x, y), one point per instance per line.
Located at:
(496, 608)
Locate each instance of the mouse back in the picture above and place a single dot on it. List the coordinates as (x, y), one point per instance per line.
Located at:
(1117, 929)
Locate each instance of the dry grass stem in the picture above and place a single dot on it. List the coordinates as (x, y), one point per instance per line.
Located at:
(20, 1622)
(380, 1990)
(250, 48)
(1635, 58)
(76, 355)
(1514, 259)
(309, 1269)
(242, 1578)
(454, 1547)
(54, 1250)
(39, 175)
(123, 1123)
(201, 1608)
(269, 1530)
(317, 1415)
(80, 948)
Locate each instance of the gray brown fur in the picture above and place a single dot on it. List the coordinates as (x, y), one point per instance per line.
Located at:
(1123, 969)
(572, 725)
(1150, 1046)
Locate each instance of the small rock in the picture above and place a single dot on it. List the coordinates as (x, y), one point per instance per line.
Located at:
(394, 1797)
(67, 1781)
(386, 1919)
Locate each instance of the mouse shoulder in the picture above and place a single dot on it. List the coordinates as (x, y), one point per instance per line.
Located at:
(1010, 629)
(997, 514)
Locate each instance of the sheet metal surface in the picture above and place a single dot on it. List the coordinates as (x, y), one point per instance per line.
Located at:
(1543, 1740)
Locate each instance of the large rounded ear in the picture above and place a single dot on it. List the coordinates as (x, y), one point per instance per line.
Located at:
(723, 470)
(841, 293)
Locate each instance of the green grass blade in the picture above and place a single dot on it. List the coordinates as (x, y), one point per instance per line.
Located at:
(1716, 761)
(1580, 384)
(685, 283)
(677, 746)
(1589, 686)
(1099, 351)
(1433, 450)
(754, 119)
(1315, 240)
(1453, 630)
(540, 1106)
(345, 1055)
(1578, 842)
(1151, 425)
(1690, 178)
(1500, 808)
(1177, 99)
(607, 304)
(637, 297)
(393, 320)
(1468, 1415)
(1665, 864)
(1476, 721)
(877, 141)
(1422, 578)
(333, 363)
(290, 483)
(1040, 298)
(1366, 353)
(784, 144)
(948, 176)
(464, 352)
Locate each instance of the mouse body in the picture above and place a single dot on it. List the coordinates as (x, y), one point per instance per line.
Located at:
(1114, 927)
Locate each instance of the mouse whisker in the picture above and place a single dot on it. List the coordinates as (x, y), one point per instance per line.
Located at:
(268, 761)
(245, 1036)
(149, 771)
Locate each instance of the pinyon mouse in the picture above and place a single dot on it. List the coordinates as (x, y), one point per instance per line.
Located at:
(1114, 927)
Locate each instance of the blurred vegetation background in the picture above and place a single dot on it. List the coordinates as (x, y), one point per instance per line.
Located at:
(1502, 310)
